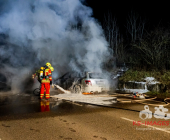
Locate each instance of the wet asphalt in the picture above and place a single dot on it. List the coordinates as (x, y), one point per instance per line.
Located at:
(25, 116)
(25, 103)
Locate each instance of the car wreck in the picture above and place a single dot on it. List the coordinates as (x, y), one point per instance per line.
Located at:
(83, 82)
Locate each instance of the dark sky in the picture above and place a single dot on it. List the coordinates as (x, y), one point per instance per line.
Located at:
(156, 12)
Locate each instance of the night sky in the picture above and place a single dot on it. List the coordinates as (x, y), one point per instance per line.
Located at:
(155, 12)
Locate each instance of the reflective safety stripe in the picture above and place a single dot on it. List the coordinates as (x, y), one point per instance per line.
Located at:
(41, 95)
(45, 81)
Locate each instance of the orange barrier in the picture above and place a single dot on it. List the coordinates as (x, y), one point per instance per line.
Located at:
(87, 93)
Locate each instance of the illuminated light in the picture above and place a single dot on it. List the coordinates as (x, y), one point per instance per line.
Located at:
(86, 93)
(88, 82)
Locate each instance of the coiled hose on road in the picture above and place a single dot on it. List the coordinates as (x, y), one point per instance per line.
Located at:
(141, 100)
(138, 101)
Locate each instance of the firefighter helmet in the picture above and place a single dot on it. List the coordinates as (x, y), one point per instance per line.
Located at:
(51, 68)
(48, 64)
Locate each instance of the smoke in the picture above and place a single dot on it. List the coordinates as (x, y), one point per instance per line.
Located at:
(62, 32)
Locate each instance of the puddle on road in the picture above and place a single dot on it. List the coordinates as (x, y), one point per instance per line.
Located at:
(23, 104)
(26, 103)
(18, 104)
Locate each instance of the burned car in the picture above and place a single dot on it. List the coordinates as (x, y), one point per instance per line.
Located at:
(85, 82)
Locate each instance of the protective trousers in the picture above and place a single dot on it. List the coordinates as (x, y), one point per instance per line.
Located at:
(47, 87)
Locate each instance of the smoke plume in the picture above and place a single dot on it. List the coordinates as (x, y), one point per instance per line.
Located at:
(62, 32)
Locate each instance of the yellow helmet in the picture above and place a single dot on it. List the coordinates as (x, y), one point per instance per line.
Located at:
(51, 68)
(48, 64)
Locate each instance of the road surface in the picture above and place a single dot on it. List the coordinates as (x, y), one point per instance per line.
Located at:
(21, 118)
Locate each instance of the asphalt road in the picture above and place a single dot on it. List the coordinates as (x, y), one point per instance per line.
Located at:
(21, 118)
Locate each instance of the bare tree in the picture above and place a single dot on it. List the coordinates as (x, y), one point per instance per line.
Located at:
(121, 51)
(111, 32)
(135, 26)
(154, 49)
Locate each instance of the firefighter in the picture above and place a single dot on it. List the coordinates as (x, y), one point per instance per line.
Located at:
(46, 81)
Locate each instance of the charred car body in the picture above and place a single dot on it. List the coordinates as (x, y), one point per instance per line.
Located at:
(85, 82)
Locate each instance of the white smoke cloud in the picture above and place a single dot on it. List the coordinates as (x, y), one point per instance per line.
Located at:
(58, 31)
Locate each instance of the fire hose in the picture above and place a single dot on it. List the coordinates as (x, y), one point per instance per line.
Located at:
(143, 100)
(61, 89)
(137, 101)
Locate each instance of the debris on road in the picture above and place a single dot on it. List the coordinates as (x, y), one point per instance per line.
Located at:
(138, 95)
(91, 99)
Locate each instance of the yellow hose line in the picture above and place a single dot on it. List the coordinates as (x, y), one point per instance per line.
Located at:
(143, 100)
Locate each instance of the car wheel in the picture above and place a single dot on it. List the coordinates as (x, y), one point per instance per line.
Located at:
(77, 89)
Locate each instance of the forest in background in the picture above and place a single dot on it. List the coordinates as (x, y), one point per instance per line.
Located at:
(141, 46)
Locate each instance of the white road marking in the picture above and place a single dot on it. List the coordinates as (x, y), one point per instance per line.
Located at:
(156, 128)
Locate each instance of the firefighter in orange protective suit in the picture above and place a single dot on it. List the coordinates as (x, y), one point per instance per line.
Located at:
(46, 81)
